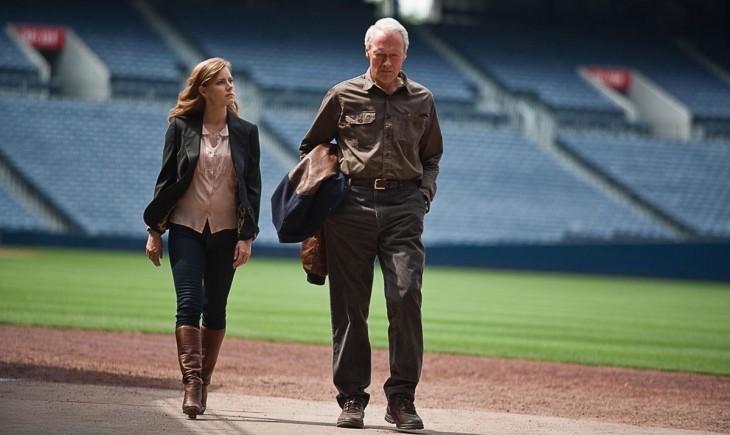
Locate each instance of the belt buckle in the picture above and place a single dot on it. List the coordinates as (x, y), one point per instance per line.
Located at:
(379, 187)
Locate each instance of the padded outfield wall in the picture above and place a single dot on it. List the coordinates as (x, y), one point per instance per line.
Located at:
(691, 261)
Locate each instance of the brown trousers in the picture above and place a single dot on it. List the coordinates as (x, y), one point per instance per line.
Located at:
(386, 224)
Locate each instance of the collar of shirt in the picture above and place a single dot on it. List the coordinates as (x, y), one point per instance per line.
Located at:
(222, 133)
(369, 83)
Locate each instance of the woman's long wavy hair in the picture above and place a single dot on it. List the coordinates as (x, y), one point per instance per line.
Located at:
(189, 101)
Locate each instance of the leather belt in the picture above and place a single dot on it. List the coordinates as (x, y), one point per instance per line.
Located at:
(382, 183)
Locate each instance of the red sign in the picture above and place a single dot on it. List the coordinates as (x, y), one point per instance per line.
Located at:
(615, 78)
(42, 37)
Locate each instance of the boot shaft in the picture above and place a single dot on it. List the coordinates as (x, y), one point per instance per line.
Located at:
(190, 357)
(189, 353)
(212, 339)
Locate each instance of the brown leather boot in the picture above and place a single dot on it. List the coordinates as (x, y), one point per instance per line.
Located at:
(190, 356)
(212, 340)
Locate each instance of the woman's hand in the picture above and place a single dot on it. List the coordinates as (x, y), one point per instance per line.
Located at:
(154, 247)
(242, 253)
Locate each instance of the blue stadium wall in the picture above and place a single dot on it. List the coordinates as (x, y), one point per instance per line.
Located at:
(687, 261)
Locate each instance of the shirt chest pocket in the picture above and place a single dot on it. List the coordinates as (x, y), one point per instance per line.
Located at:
(358, 129)
(412, 127)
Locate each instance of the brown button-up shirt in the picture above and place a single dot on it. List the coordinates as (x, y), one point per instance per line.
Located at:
(379, 135)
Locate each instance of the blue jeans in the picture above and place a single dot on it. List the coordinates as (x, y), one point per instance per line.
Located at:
(202, 269)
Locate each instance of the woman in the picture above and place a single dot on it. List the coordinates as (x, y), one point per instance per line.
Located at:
(208, 195)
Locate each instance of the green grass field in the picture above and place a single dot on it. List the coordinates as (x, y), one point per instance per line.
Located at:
(645, 323)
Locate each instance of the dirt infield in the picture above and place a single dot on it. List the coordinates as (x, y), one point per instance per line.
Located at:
(274, 370)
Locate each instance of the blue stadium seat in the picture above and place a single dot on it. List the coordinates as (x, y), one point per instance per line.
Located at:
(97, 162)
(140, 62)
(289, 127)
(496, 186)
(543, 59)
(15, 216)
(16, 71)
(689, 181)
(272, 171)
(530, 59)
(274, 49)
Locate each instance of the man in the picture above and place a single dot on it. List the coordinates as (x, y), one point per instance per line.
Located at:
(389, 144)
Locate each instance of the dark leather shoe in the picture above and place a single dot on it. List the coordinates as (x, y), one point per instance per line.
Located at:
(353, 413)
(402, 412)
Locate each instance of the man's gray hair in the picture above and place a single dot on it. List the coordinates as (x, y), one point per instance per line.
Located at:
(387, 25)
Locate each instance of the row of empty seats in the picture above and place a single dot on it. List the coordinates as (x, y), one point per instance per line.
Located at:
(689, 181)
(514, 191)
(96, 162)
(16, 71)
(117, 33)
(289, 127)
(525, 59)
(268, 44)
(16, 216)
(277, 52)
(544, 59)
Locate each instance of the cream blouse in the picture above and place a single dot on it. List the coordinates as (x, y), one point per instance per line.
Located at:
(211, 196)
